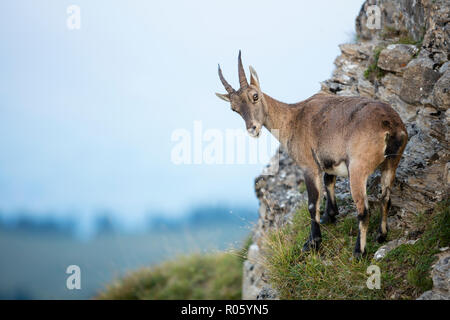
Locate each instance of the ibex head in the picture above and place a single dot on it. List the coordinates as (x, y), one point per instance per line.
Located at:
(248, 101)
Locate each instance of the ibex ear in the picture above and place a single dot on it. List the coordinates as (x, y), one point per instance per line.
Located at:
(222, 96)
(254, 80)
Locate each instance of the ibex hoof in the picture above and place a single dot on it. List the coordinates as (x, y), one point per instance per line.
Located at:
(357, 255)
(327, 219)
(311, 245)
(381, 237)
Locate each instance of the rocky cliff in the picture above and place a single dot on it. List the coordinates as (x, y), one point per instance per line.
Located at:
(405, 63)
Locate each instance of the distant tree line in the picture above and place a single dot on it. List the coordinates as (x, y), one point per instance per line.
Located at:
(106, 222)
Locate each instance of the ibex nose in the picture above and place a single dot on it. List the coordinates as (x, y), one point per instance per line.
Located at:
(253, 131)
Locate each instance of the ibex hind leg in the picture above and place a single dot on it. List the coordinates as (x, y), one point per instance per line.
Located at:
(331, 209)
(358, 181)
(388, 169)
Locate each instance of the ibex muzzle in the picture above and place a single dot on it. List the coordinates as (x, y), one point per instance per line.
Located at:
(329, 136)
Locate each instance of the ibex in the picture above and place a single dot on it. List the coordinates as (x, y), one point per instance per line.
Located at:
(330, 135)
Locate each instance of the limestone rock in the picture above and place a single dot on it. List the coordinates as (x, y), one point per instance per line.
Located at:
(356, 50)
(440, 274)
(391, 245)
(418, 80)
(441, 91)
(395, 57)
(444, 67)
(395, 15)
(392, 83)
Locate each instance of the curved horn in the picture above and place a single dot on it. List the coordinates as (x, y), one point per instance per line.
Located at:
(242, 78)
(227, 86)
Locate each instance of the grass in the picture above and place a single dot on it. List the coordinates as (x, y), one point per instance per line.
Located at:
(373, 71)
(390, 32)
(195, 277)
(333, 274)
(413, 262)
(403, 36)
(302, 187)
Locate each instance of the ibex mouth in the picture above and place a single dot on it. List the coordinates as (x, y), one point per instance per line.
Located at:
(254, 132)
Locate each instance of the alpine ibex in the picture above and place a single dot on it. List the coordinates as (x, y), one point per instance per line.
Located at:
(329, 135)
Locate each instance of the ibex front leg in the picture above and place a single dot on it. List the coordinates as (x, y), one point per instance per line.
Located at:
(312, 181)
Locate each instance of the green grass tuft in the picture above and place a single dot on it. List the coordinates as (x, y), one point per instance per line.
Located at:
(373, 71)
(302, 187)
(197, 277)
(413, 262)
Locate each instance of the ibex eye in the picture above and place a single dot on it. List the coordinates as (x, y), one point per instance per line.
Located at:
(255, 97)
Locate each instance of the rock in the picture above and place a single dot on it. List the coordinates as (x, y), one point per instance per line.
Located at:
(331, 86)
(395, 57)
(406, 111)
(391, 245)
(267, 293)
(252, 280)
(395, 15)
(418, 80)
(366, 88)
(441, 92)
(393, 83)
(440, 273)
(437, 35)
(356, 50)
(444, 67)
(432, 295)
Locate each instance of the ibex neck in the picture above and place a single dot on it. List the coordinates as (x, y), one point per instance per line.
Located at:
(278, 118)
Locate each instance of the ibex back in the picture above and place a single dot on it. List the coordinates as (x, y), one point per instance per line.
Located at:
(328, 136)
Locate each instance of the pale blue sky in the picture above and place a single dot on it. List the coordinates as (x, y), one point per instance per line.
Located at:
(86, 116)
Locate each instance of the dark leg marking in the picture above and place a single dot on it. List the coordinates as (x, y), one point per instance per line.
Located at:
(385, 206)
(331, 209)
(360, 245)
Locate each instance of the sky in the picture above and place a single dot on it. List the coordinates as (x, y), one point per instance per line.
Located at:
(87, 115)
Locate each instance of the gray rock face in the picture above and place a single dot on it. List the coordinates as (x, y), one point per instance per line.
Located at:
(418, 92)
(418, 80)
(441, 91)
(441, 279)
(395, 15)
(396, 56)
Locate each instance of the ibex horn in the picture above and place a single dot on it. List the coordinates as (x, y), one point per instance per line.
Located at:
(242, 79)
(227, 86)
